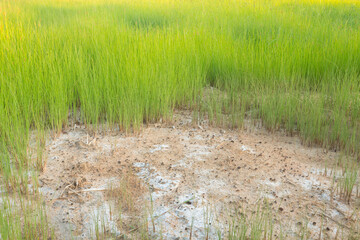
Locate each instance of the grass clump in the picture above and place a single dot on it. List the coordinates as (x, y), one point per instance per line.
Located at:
(348, 179)
(23, 218)
(252, 224)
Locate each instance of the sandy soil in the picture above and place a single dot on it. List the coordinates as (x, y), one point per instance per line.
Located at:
(196, 175)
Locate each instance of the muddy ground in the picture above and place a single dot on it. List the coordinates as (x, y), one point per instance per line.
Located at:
(186, 180)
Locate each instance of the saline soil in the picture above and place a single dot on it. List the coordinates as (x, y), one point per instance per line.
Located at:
(186, 179)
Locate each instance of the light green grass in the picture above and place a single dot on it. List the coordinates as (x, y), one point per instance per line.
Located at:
(23, 218)
(293, 64)
(252, 224)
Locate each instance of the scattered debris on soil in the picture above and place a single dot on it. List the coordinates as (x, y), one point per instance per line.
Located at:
(187, 179)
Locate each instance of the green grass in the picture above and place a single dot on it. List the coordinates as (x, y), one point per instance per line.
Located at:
(348, 179)
(23, 218)
(293, 64)
(256, 224)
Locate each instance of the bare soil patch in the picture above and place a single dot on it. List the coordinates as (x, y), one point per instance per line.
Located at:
(184, 178)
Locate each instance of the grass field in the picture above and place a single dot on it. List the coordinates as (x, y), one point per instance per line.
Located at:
(293, 64)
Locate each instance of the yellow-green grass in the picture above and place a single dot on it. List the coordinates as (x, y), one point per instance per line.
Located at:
(293, 64)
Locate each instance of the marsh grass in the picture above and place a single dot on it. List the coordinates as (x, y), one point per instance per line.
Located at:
(23, 218)
(292, 64)
(254, 223)
(348, 179)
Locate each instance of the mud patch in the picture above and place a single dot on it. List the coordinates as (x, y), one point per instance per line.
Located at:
(191, 177)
